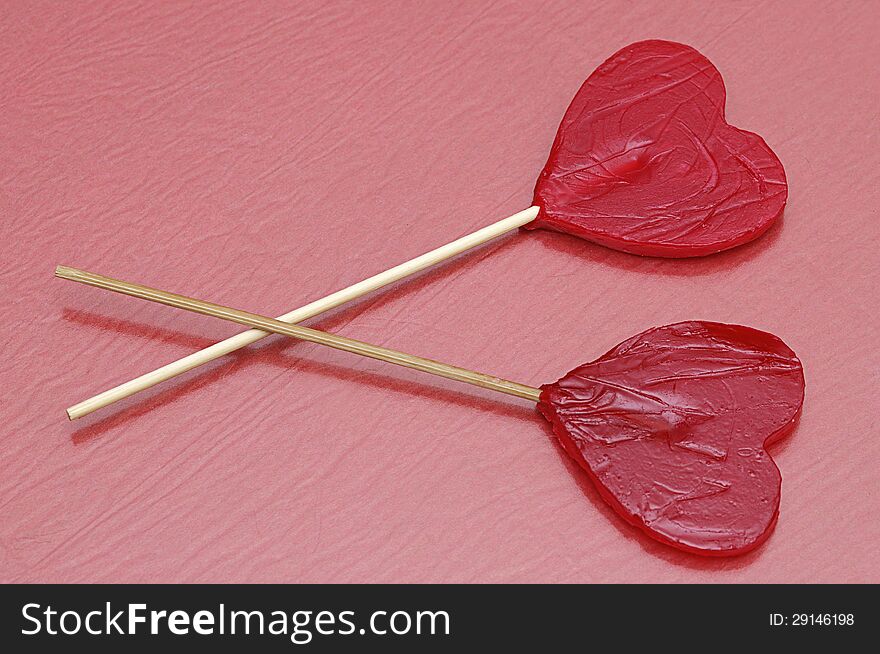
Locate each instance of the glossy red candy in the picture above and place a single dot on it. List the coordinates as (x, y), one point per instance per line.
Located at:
(671, 425)
(644, 161)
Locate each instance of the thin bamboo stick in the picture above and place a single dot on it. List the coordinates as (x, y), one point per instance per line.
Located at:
(310, 310)
(303, 333)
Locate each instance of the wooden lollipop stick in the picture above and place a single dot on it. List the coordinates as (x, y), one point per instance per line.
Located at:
(310, 310)
(303, 333)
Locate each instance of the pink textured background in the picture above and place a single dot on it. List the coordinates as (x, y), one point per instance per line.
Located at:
(265, 155)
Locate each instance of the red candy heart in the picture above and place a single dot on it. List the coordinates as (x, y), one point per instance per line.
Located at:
(644, 161)
(671, 426)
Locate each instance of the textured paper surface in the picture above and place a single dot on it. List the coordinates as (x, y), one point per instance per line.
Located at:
(262, 156)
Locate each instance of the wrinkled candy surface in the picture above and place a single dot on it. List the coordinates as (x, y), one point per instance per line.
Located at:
(671, 426)
(644, 161)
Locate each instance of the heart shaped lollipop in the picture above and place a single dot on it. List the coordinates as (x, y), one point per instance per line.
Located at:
(671, 424)
(644, 161)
